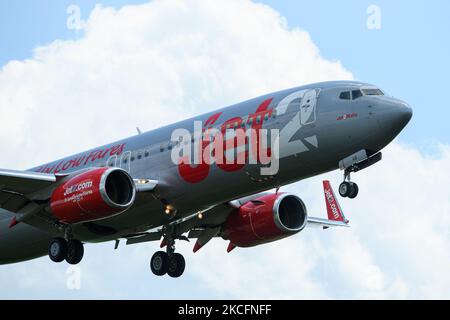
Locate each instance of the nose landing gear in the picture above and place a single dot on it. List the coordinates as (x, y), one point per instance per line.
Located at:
(354, 163)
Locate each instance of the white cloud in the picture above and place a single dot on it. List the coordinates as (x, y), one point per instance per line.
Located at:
(149, 65)
(152, 64)
(397, 247)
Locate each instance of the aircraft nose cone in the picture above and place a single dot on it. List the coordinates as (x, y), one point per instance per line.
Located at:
(392, 116)
(403, 114)
(396, 116)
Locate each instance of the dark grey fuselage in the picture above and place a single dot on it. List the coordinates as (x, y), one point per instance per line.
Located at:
(336, 129)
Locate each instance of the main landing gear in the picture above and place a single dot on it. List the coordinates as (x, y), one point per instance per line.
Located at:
(168, 262)
(71, 250)
(348, 189)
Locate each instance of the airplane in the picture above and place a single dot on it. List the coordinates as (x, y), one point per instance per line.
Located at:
(186, 181)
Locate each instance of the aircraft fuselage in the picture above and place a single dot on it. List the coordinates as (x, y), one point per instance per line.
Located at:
(318, 126)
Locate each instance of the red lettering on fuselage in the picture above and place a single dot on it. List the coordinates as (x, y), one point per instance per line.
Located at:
(234, 124)
(199, 172)
(93, 156)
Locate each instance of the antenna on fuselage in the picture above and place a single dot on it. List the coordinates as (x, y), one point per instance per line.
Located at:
(138, 130)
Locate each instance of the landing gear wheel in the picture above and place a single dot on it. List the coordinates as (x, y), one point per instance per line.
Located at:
(159, 263)
(345, 189)
(354, 192)
(75, 252)
(57, 249)
(176, 265)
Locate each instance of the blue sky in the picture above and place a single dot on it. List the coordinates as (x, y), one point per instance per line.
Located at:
(408, 57)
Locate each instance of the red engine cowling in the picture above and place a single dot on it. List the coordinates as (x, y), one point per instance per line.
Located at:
(94, 194)
(265, 219)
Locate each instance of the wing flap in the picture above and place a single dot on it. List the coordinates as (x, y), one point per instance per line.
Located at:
(151, 236)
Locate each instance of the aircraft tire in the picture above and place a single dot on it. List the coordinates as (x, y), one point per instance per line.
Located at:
(57, 249)
(159, 263)
(176, 265)
(345, 189)
(75, 252)
(354, 191)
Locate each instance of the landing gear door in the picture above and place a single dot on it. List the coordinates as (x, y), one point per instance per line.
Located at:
(308, 108)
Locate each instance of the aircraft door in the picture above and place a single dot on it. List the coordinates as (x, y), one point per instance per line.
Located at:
(125, 161)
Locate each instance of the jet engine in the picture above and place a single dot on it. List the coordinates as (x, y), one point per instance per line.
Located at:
(265, 219)
(92, 195)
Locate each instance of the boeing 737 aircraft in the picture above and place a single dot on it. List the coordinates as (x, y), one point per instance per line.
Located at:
(202, 178)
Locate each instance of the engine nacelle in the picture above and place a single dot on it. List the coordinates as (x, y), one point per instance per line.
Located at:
(92, 195)
(266, 219)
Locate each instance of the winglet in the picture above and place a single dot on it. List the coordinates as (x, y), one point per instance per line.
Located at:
(333, 208)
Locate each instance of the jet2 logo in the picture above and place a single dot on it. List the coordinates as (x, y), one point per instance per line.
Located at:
(78, 187)
(332, 202)
(232, 145)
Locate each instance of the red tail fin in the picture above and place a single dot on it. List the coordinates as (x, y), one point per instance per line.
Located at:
(333, 208)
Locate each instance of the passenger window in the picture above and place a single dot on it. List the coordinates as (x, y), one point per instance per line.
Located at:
(345, 95)
(258, 119)
(266, 117)
(356, 94)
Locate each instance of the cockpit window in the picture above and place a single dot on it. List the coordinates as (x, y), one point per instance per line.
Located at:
(356, 94)
(345, 95)
(372, 92)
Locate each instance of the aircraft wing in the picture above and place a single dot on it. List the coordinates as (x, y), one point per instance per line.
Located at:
(17, 186)
(24, 181)
(213, 218)
(325, 223)
(25, 193)
(205, 229)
